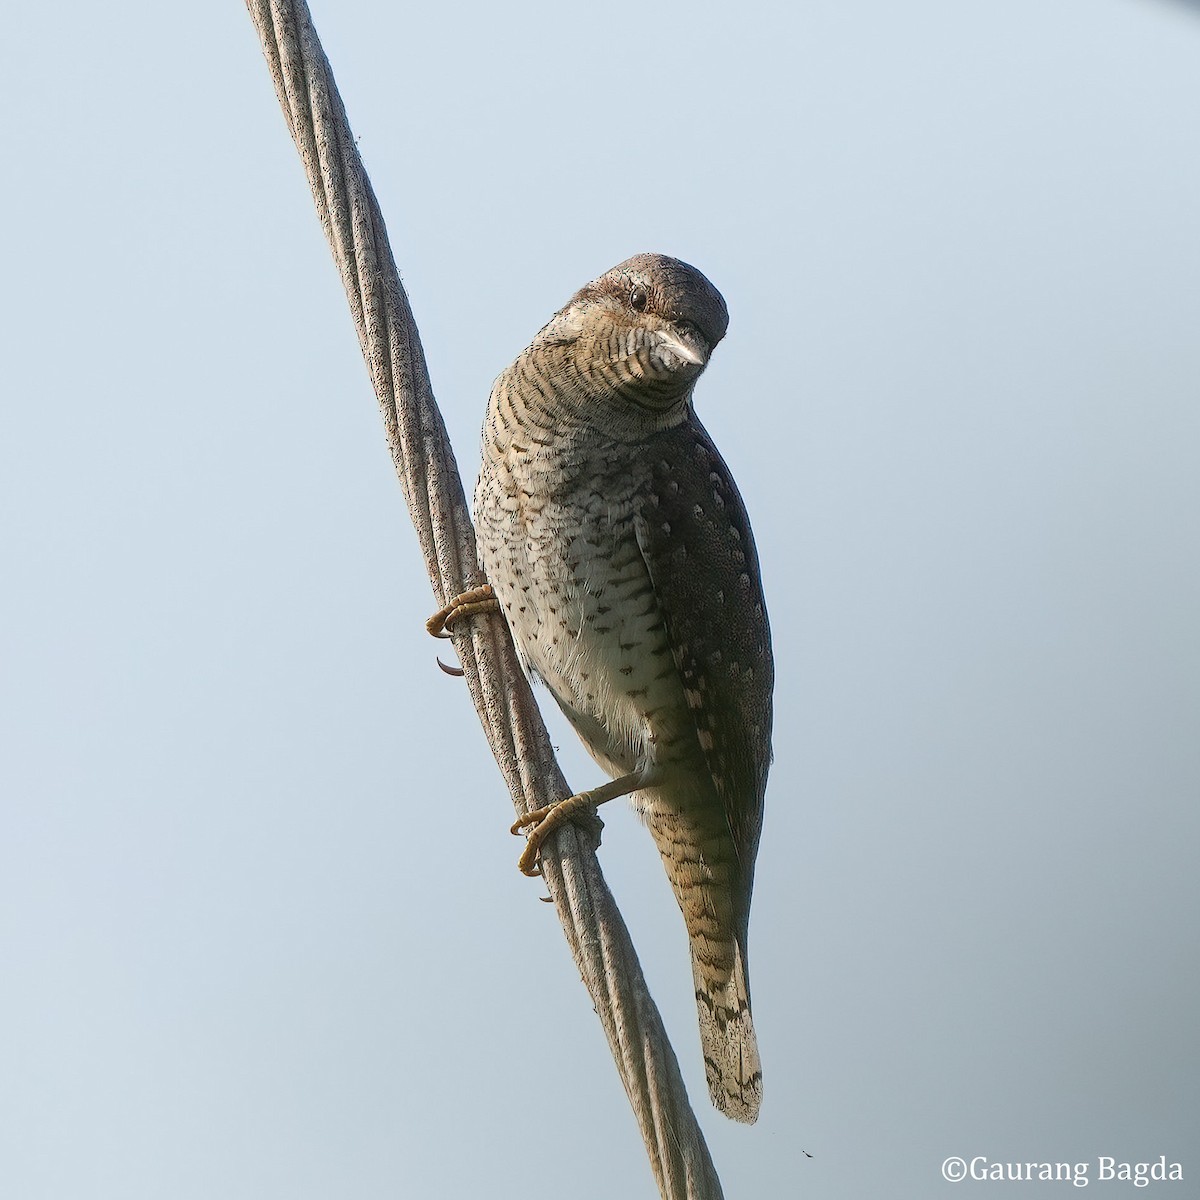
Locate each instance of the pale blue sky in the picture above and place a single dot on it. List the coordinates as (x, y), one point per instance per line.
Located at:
(261, 929)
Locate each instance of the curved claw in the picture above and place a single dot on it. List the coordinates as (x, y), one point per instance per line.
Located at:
(436, 625)
(536, 817)
(457, 672)
(528, 863)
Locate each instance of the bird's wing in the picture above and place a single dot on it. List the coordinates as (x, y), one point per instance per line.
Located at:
(695, 536)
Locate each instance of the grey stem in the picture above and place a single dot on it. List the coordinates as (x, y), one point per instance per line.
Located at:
(433, 490)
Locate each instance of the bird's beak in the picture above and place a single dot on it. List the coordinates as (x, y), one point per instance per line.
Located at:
(685, 344)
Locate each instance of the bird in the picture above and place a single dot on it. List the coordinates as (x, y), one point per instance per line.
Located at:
(617, 546)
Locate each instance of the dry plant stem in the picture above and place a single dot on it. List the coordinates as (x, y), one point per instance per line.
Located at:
(429, 477)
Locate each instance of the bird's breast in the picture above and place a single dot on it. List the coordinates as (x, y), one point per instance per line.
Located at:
(559, 546)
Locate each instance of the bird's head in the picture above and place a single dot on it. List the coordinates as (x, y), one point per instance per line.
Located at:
(636, 337)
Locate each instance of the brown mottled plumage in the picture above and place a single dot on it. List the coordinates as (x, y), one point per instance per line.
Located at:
(620, 552)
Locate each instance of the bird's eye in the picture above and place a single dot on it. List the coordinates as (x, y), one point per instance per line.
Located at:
(638, 299)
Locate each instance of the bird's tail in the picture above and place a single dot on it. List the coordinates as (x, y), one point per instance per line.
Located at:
(701, 864)
(727, 1038)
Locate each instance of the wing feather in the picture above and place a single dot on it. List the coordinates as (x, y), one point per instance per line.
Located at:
(695, 536)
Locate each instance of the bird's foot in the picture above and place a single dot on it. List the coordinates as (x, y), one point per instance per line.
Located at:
(467, 604)
(542, 822)
(580, 810)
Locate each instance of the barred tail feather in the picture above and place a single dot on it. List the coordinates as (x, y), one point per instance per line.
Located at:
(727, 1040)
